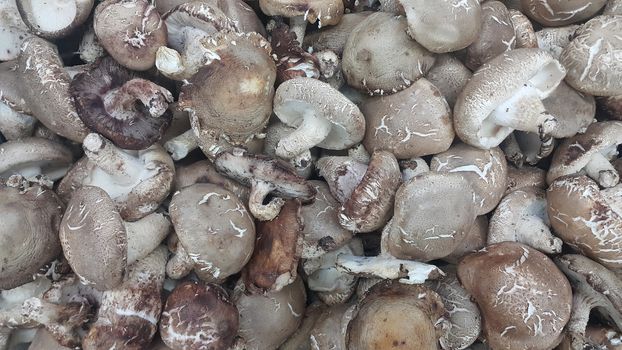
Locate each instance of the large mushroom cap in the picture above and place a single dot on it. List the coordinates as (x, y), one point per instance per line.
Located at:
(33, 156)
(561, 12)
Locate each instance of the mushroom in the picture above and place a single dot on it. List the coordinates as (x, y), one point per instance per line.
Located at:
(558, 13)
(334, 38)
(412, 168)
(98, 244)
(524, 178)
(591, 57)
(396, 315)
(329, 330)
(300, 339)
(15, 125)
(573, 110)
(90, 49)
(589, 153)
(595, 287)
(204, 172)
(303, 163)
(449, 76)
(44, 340)
(264, 175)
(380, 57)
(199, 316)
(523, 297)
(342, 174)
(443, 26)
(486, 170)
(131, 32)
(474, 240)
(522, 217)
(411, 123)
(523, 29)
(322, 117)
(291, 59)
(128, 314)
(131, 112)
(613, 7)
(506, 94)
(496, 35)
(137, 181)
(54, 19)
(587, 218)
(34, 156)
(554, 40)
(31, 216)
(13, 31)
(215, 231)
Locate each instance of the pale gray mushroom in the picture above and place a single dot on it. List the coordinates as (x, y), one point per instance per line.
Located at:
(613, 7)
(496, 35)
(54, 19)
(342, 174)
(450, 76)
(334, 38)
(523, 29)
(204, 172)
(34, 156)
(300, 339)
(554, 40)
(558, 13)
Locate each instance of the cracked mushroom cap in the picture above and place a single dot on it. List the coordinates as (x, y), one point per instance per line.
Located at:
(433, 213)
(199, 316)
(554, 13)
(496, 35)
(524, 299)
(411, 123)
(443, 26)
(592, 57)
(587, 218)
(33, 156)
(396, 315)
(486, 170)
(325, 12)
(380, 57)
(31, 218)
(54, 19)
(214, 228)
(131, 32)
(487, 110)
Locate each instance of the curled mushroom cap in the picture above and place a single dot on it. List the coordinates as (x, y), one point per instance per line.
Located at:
(54, 19)
(411, 123)
(379, 57)
(587, 218)
(591, 58)
(523, 297)
(131, 32)
(34, 156)
(558, 13)
(199, 316)
(496, 35)
(505, 94)
(131, 112)
(443, 26)
(30, 217)
(204, 172)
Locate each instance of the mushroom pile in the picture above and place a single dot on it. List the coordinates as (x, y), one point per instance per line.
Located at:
(310, 174)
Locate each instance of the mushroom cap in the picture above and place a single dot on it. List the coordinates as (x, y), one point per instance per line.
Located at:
(334, 38)
(94, 239)
(496, 82)
(443, 26)
(44, 340)
(555, 39)
(326, 12)
(561, 12)
(525, 34)
(611, 106)
(592, 58)
(54, 20)
(525, 177)
(432, 215)
(199, 316)
(329, 329)
(131, 32)
(26, 156)
(450, 76)
(342, 174)
(204, 171)
(573, 110)
(613, 7)
(296, 97)
(30, 218)
(411, 123)
(380, 57)
(587, 218)
(576, 152)
(525, 300)
(13, 31)
(486, 170)
(214, 228)
(495, 36)
(475, 240)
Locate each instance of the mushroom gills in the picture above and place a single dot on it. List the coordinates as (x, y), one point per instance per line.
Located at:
(310, 131)
(600, 168)
(51, 16)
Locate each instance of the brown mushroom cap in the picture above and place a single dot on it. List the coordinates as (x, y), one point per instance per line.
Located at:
(326, 12)
(558, 13)
(611, 106)
(342, 174)
(496, 35)
(199, 316)
(475, 240)
(334, 38)
(330, 328)
(379, 57)
(523, 29)
(450, 76)
(523, 297)
(204, 172)
(53, 20)
(525, 177)
(554, 40)
(411, 123)
(33, 156)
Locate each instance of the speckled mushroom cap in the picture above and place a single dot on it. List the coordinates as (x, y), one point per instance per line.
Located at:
(554, 13)
(94, 239)
(450, 76)
(54, 19)
(380, 57)
(555, 39)
(411, 123)
(592, 58)
(34, 156)
(486, 170)
(495, 83)
(433, 213)
(587, 218)
(443, 26)
(214, 228)
(496, 35)
(574, 154)
(525, 300)
(30, 218)
(325, 12)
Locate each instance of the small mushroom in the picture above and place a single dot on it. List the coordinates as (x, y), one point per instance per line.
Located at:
(291, 59)
(54, 19)
(554, 40)
(15, 125)
(450, 76)
(204, 172)
(412, 168)
(558, 13)
(573, 110)
(342, 174)
(303, 163)
(90, 49)
(496, 35)
(34, 156)
(523, 297)
(523, 29)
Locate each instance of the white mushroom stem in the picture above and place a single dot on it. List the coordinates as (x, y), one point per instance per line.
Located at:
(180, 264)
(531, 230)
(298, 25)
(110, 158)
(14, 125)
(181, 66)
(179, 146)
(601, 170)
(524, 111)
(145, 235)
(259, 192)
(313, 130)
(388, 267)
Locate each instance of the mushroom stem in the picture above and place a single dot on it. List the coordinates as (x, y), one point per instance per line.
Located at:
(263, 212)
(15, 125)
(388, 267)
(155, 98)
(179, 146)
(581, 307)
(108, 157)
(313, 130)
(533, 231)
(524, 111)
(298, 25)
(601, 170)
(512, 150)
(145, 235)
(180, 264)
